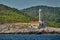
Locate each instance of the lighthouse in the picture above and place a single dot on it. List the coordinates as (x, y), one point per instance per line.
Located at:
(41, 22)
(40, 17)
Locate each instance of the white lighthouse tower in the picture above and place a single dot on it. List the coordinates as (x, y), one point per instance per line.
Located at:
(41, 22)
(40, 17)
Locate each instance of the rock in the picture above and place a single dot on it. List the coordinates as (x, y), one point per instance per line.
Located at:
(47, 30)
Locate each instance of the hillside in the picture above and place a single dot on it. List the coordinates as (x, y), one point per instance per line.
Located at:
(51, 15)
(9, 15)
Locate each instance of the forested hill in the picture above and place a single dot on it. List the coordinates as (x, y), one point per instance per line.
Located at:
(51, 15)
(8, 15)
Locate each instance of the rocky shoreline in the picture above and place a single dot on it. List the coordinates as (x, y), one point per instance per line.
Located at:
(47, 30)
(5, 29)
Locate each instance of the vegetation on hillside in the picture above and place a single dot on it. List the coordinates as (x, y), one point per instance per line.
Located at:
(9, 15)
(51, 15)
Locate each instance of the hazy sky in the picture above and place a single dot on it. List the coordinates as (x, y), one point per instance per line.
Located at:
(20, 4)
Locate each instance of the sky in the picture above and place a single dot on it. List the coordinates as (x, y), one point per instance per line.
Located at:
(21, 4)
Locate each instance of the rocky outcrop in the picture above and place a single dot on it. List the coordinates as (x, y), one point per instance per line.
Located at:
(50, 30)
(7, 28)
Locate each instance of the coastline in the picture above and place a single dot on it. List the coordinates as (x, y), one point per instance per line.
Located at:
(39, 31)
(9, 29)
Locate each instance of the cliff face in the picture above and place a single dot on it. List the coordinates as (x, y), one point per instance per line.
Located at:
(11, 28)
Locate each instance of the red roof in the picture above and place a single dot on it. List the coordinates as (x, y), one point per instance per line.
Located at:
(34, 22)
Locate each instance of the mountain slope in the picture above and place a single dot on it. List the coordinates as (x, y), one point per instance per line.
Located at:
(8, 14)
(49, 14)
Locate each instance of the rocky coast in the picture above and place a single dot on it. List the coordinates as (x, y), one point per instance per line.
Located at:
(12, 29)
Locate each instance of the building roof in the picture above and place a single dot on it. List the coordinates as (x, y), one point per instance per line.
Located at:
(34, 22)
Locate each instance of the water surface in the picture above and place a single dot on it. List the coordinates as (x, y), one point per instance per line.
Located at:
(29, 37)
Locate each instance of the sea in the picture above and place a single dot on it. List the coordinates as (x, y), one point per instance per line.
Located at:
(29, 36)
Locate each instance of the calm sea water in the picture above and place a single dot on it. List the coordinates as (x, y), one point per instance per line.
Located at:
(29, 37)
